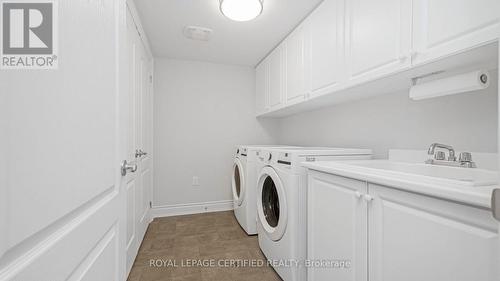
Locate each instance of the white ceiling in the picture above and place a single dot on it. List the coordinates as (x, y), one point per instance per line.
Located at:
(241, 43)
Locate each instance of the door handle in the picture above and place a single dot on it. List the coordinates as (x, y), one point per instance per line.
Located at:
(495, 204)
(125, 167)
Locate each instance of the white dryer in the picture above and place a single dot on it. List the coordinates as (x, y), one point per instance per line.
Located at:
(281, 204)
(244, 185)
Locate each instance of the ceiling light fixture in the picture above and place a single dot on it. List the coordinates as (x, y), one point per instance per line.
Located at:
(241, 10)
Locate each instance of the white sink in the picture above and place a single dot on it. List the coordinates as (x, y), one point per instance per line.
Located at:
(432, 173)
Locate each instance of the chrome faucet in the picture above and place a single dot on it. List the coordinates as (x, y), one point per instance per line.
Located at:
(451, 150)
(439, 157)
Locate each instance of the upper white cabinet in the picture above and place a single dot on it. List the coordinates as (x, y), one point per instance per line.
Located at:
(276, 78)
(325, 48)
(262, 87)
(445, 27)
(295, 66)
(378, 37)
(344, 45)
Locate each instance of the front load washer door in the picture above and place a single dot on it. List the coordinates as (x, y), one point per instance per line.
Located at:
(238, 184)
(271, 204)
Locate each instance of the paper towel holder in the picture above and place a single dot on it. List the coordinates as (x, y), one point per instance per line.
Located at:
(455, 84)
(414, 80)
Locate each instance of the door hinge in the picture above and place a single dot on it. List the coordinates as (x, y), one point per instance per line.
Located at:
(150, 204)
(150, 78)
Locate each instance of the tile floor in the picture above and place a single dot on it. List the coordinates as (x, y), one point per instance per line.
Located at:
(209, 237)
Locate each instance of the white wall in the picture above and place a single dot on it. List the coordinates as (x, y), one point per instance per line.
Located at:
(466, 121)
(202, 111)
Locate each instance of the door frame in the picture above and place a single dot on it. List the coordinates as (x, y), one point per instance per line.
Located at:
(137, 101)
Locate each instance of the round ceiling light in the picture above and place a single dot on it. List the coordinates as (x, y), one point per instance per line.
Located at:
(241, 10)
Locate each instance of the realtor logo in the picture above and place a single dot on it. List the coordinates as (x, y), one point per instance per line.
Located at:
(29, 34)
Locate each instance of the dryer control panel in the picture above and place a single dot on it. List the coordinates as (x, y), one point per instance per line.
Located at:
(241, 151)
(284, 158)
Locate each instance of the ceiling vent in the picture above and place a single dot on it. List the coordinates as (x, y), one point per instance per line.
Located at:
(198, 33)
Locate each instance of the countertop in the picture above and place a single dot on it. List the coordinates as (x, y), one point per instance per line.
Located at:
(479, 196)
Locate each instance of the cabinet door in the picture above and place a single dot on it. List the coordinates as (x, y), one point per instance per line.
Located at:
(378, 38)
(326, 47)
(415, 238)
(445, 27)
(295, 66)
(276, 78)
(337, 227)
(262, 87)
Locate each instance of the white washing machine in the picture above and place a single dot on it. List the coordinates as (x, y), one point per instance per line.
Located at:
(281, 204)
(244, 185)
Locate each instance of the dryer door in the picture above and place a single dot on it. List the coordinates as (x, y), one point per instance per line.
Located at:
(238, 182)
(271, 204)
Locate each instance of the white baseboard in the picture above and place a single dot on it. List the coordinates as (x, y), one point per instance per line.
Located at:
(192, 208)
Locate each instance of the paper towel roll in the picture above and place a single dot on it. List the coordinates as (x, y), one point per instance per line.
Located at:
(467, 82)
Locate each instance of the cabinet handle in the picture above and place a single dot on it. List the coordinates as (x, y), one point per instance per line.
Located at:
(357, 194)
(368, 198)
(495, 204)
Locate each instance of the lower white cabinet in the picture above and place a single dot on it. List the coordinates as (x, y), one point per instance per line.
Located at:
(410, 237)
(415, 237)
(337, 228)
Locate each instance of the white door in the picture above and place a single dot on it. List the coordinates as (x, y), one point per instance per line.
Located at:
(378, 38)
(445, 27)
(295, 66)
(262, 87)
(337, 229)
(62, 200)
(415, 238)
(138, 184)
(326, 47)
(276, 78)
